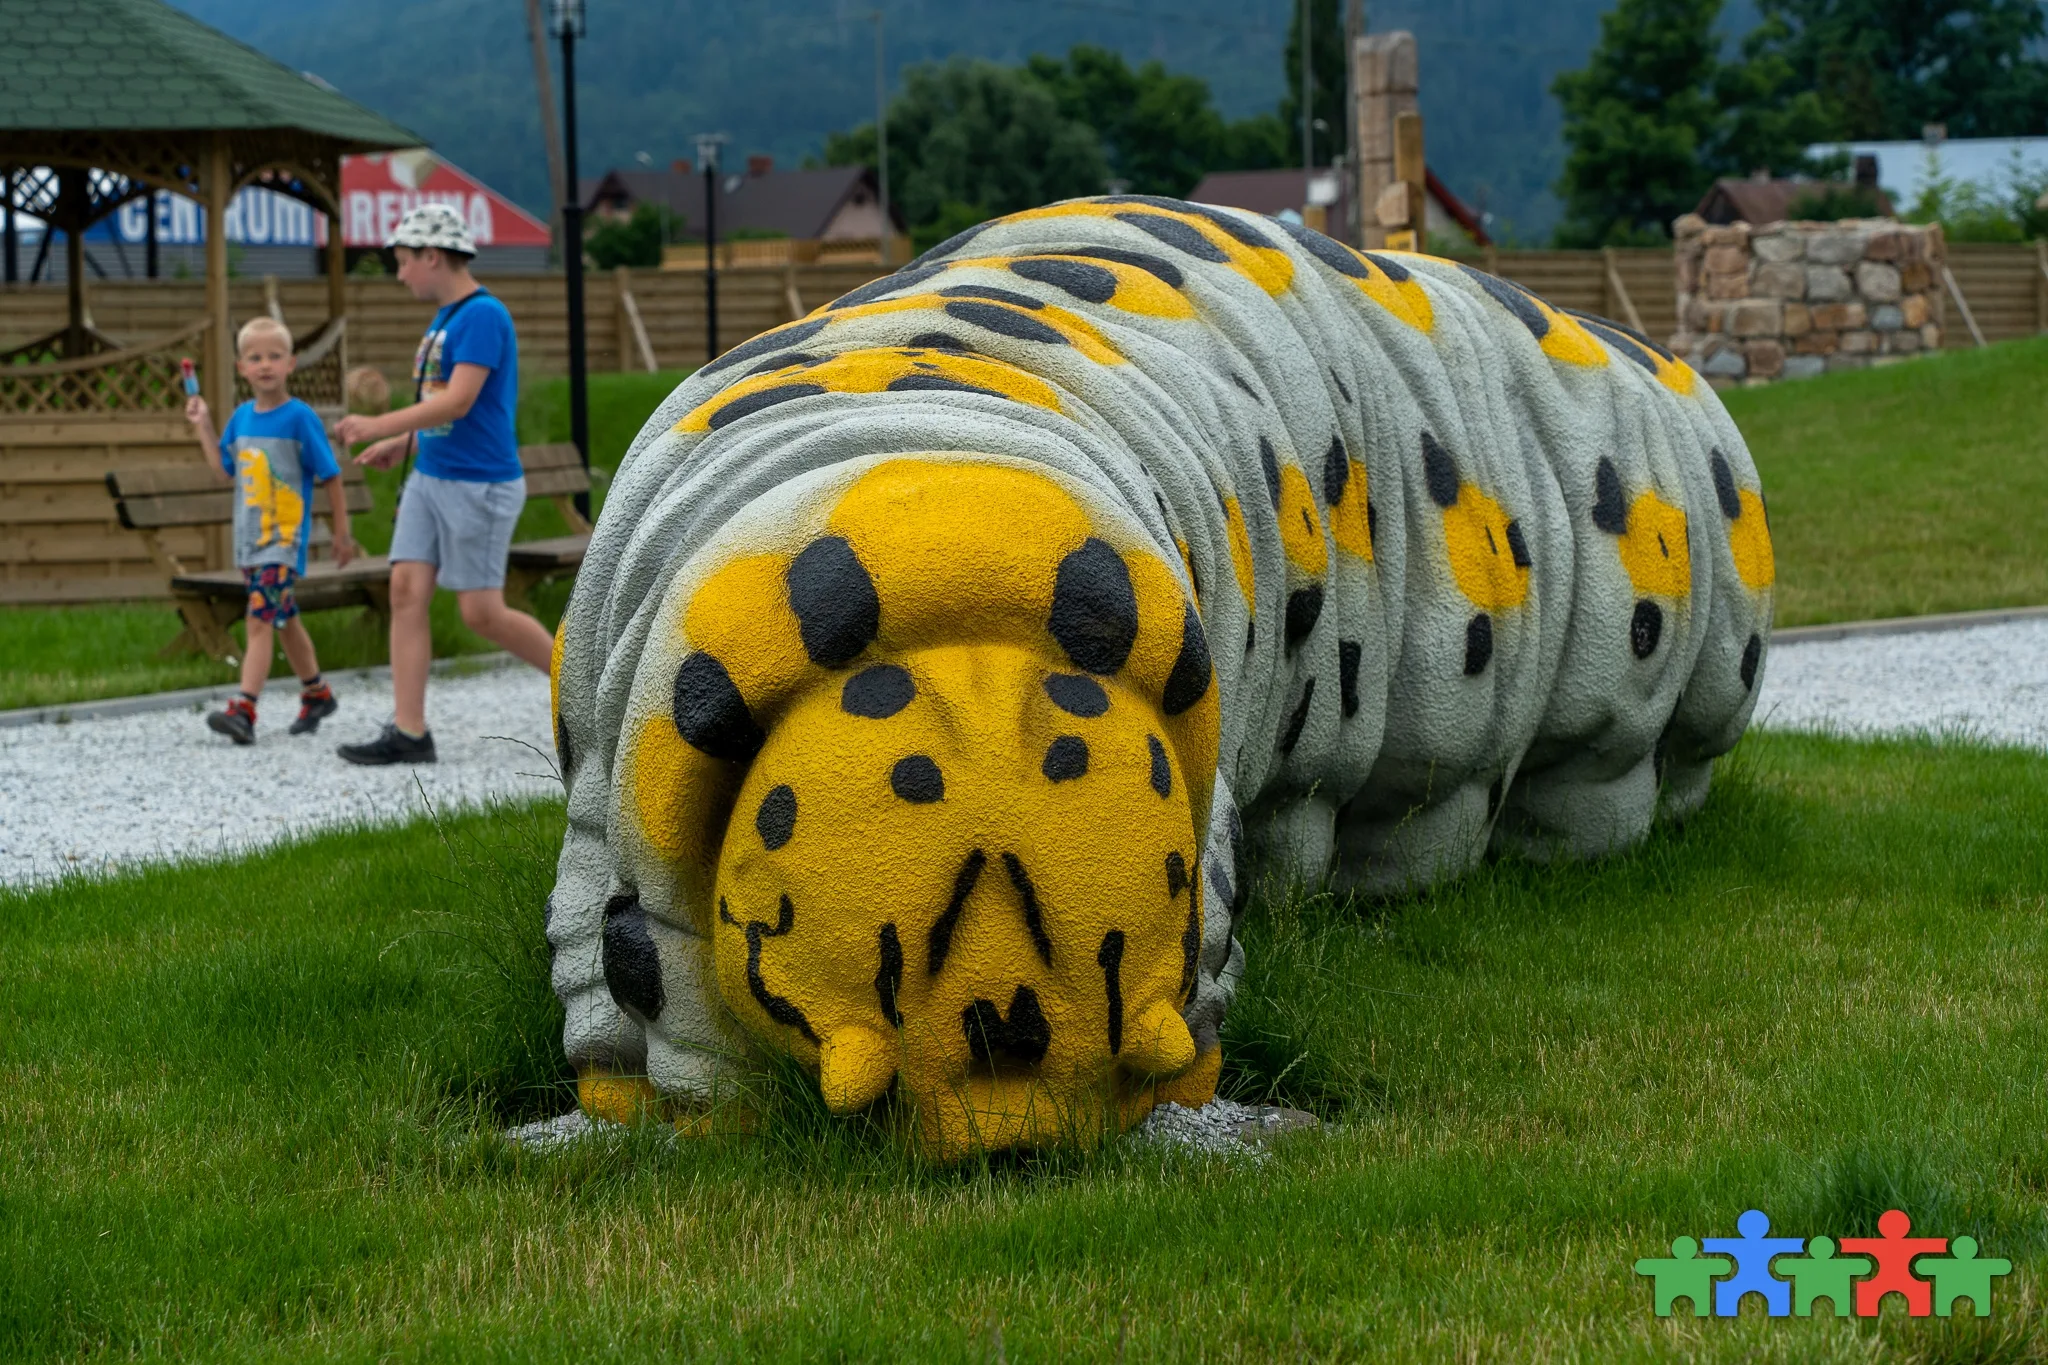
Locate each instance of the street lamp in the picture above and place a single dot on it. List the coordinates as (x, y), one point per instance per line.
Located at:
(707, 153)
(565, 21)
(882, 136)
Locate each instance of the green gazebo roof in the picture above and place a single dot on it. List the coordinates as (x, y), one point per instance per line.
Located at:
(107, 66)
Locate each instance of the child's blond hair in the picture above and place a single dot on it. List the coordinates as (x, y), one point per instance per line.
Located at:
(259, 325)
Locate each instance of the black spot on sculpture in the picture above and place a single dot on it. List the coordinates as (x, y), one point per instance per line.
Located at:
(775, 820)
(1066, 758)
(1077, 694)
(917, 780)
(632, 967)
(1094, 609)
(710, 713)
(836, 608)
(877, 692)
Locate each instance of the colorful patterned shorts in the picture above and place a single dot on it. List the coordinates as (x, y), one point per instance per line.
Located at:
(272, 599)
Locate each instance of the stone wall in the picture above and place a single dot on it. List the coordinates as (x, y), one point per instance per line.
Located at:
(1789, 300)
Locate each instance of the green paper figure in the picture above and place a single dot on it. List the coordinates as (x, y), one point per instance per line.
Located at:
(1820, 1274)
(1961, 1275)
(1685, 1274)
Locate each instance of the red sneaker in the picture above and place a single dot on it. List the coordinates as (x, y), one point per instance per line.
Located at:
(315, 705)
(237, 720)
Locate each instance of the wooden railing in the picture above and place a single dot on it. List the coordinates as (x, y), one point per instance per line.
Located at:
(143, 378)
(44, 350)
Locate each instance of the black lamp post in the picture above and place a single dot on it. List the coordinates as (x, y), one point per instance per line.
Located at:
(707, 152)
(566, 23)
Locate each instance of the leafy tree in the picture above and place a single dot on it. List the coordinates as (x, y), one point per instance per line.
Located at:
(1770, 116)
(1985, 211)
(632, 241)
(1656, 116)
(1883, 68)
(974, 133)
(1326, 82)
(1638, 119)
(1159, 132)
(1259, 143)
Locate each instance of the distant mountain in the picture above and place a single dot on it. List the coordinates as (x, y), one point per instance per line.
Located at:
(780, 74)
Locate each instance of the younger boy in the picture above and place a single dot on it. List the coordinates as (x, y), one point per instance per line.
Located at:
(275, 451)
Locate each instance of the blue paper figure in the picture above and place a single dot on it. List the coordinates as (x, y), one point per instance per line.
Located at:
(1753, 1252)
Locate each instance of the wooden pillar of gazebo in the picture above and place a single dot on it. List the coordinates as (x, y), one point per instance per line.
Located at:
(114, 118)
(74, 209)
(217, 182)
(337, 279)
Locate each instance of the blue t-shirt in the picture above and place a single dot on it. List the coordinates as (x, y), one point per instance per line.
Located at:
(276, 459)
(482, 446)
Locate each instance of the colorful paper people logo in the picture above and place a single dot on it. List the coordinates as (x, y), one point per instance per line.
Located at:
(1874, 1267)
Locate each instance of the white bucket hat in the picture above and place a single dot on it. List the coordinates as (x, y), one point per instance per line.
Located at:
(435, 225)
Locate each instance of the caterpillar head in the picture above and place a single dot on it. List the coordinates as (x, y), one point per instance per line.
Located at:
(961, 854)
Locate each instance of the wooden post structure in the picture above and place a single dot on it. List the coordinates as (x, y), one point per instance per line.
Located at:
(2041, 285)
(1617, 292)
(219, 365)
(74, 197)
(217, 381)
(1384, 72)
(1411, 175)
(337, 284)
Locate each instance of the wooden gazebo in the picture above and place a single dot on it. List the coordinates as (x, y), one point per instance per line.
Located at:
(109, 100)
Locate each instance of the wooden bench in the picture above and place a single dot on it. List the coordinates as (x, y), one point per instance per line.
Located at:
(555, 472)
(152, 499)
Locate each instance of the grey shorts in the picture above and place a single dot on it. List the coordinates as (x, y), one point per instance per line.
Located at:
(461, 528)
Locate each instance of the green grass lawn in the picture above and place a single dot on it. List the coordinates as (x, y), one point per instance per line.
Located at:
(1912, 489)
(245, 1113)
(1893, 492)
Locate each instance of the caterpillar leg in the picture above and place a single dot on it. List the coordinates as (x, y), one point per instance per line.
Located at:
(1571, 812)
(1382, 854)
(1684, 785)
(1298, 839)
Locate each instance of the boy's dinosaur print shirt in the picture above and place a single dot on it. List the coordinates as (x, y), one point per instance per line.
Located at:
(275, 459)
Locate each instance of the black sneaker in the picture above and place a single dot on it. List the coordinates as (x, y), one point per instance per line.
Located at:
(393, 745)
(237, 721)
(314, 708)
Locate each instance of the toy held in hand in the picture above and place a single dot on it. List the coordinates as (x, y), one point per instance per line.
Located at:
(946, 663)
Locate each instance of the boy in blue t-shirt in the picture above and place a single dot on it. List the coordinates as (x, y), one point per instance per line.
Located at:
(460, 504)
(275, 450)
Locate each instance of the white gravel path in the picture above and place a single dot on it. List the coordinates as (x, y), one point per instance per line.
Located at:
(95, 794)
(1984, 683)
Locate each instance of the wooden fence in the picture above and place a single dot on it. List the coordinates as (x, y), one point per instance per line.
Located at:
(385, 321)
(2005, 285)
(59, 540)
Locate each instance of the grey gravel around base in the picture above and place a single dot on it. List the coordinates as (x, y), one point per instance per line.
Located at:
(98, 795)
(544, 1135)
(1987, 684)
(1221, 1125)
(1218, 1126)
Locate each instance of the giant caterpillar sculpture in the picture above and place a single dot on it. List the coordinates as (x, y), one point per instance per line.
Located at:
(936, 655)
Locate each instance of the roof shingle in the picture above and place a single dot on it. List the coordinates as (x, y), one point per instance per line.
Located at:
(129, 65)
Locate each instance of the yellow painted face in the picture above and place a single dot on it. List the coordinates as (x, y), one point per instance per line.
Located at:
(930, 794)
(971, 869)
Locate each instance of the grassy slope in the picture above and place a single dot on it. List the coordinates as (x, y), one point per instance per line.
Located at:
(239, 1110)
(1912, 489)
(63, 654)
